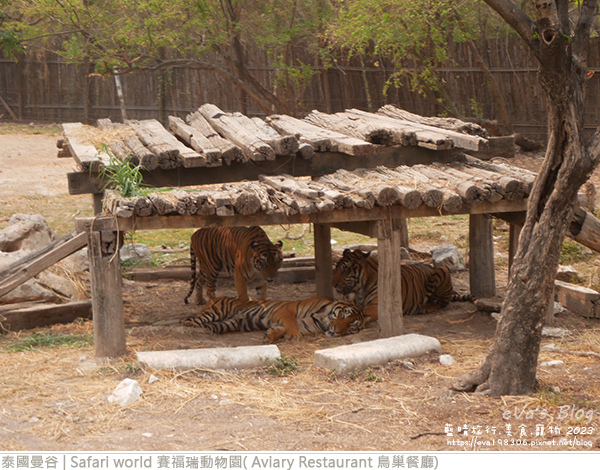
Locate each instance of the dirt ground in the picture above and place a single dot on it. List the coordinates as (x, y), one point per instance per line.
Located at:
(56, 398)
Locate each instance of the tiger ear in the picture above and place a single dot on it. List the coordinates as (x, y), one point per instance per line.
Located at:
(279, 244)
(365, 254)
(347, 251)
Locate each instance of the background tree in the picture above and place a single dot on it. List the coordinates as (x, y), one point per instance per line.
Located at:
(559, 44)
(124, 36)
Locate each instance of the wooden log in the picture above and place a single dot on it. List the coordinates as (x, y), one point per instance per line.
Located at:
(287, 184)
(163, 203)
(465, 141)
(156, 134)
(451, 124)
(509, 187)
(234, 128)
(229, 151)
(196, 140)
(409, 197)
(140, 155)
(204, 205)
(384, 193)
(489, 191)
(305, 151)
(452, 202)
(431, 195)
(353, 197)
(426, 137)
(400, 134)
(25, 268)
(84, 153)
(20, 317)
(482, 276)
(107, 299)
(525, 176)
(283, 145)
(320, 139)
(470, 192)
(152, 136)
(353, 126)
(117, 206)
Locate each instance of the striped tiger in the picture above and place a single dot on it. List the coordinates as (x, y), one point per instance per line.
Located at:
(281, 318)
(424, 287)
(246, 252)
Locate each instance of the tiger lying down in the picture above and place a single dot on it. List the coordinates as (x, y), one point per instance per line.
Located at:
(424, 287)
(281, 318)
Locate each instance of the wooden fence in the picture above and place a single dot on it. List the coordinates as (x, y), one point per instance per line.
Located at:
(45, 88)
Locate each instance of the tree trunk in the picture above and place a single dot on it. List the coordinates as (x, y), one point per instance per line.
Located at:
(510, 367)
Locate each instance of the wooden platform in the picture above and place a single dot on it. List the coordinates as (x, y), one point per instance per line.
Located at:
(367, 172)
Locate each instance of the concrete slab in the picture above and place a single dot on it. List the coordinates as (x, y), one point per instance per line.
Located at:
(359, 356)
(241, 357)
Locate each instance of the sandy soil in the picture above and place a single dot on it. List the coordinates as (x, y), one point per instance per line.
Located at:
(56, 399)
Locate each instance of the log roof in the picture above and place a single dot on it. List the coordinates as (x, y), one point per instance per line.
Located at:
(441, 188)
(210, 137)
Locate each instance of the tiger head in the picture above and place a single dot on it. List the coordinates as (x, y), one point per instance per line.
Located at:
(267, 258)
(346, 318)
(349, 270)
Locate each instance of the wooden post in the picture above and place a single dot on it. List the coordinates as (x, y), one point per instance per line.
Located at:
(97, 203)
(481, 256)
(323, 263)
(514, 230)
(107, 294)
(389, 281)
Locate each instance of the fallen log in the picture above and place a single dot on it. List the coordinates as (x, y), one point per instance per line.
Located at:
(34, 316)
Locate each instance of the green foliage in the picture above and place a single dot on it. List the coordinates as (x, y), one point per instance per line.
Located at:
(573, 252)
(50, 340)
(283, 366)
(122, 176)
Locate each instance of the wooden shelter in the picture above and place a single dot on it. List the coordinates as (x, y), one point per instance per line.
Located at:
(365, 172)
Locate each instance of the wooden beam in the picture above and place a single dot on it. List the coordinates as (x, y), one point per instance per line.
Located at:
(329, 217)
(107, 295)
(323, 262)
(389, 281)
(25, 268)
(34, 316)
(482, 275)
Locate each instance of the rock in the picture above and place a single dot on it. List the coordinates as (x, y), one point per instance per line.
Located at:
(447, 360)
(555, 332)
(153, 378)
(553, 363)
(26, 233)
(449, 256)
(136, 252)
(566, 274)
(490, 304)
(28, 292)
(126, 392)
(78, 262)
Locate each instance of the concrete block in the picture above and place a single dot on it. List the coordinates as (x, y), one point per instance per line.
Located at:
(578, 299)
(211, 358)
(355, 357)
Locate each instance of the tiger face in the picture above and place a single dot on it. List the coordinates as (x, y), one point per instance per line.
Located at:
(346, 318)
(267, 258)
(348, 271)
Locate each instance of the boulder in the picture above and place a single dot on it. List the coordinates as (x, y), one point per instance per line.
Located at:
(137, 253)
(25, 233)
(449, 256)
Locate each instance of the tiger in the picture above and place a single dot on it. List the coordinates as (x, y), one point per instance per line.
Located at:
(246, 252)
(281, 318)
(424, 287)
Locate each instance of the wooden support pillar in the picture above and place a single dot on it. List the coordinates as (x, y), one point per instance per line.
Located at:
(323, 262)
(389, 281)
(481, 256)
(97, 202)
(514, 230)
(107, 294)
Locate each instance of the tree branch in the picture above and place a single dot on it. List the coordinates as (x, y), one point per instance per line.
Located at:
(515, 17)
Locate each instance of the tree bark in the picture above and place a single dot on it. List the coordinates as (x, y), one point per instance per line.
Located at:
(510, 367)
